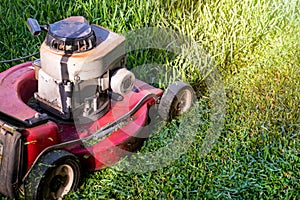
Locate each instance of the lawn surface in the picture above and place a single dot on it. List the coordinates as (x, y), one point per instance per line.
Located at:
(256, 49)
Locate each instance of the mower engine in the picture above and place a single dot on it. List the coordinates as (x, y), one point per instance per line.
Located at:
(81, 68)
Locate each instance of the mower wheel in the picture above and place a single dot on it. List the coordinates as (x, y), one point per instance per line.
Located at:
(55, 174)
(177, 99)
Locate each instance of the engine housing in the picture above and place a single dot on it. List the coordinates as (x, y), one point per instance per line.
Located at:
(77, 63)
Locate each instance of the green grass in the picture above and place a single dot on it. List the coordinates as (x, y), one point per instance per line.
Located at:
(256, 48)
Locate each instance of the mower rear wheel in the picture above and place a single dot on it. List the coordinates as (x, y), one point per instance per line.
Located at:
(177, 99)
(53, 176)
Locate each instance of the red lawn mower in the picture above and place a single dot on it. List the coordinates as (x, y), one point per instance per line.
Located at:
(77, 107)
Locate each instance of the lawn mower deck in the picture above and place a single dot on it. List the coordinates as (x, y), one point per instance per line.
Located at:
(40, 131)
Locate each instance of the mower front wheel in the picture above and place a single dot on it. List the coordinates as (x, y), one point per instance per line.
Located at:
(55, 174)
(177, 99)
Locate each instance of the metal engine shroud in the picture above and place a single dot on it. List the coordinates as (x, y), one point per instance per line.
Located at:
(80, 66)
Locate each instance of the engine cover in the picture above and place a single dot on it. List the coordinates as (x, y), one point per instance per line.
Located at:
(75, 66)
(82, 65)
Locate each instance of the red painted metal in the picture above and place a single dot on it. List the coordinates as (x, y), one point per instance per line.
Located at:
(17, 86)
(38, 138)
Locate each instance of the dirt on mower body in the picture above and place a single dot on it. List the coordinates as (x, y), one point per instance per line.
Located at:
(75, 108)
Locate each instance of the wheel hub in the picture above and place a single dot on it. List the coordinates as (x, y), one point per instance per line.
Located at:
(56, 183)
